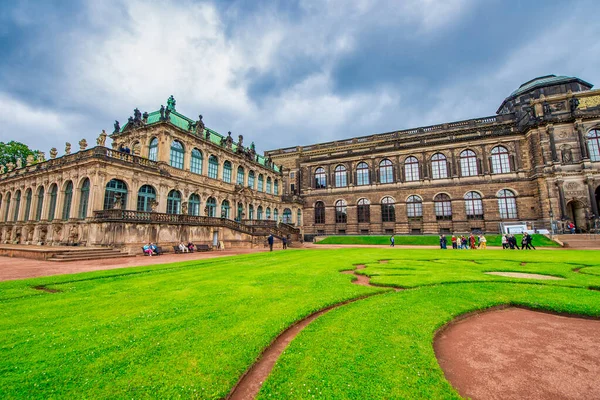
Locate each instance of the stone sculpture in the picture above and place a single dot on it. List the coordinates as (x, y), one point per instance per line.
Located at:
(42, 156)
(101, 140)
(2, 169)
(10, 166)
(29, 160)
(67, 148)
(19, 163)
(117, 127)
(82, 144)
(53, 153)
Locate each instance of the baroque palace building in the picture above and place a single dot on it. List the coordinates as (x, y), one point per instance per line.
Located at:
(168, 178)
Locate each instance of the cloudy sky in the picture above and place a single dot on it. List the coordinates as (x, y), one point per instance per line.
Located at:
(282, 73)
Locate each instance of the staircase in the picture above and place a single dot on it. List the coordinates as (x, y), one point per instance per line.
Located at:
(580, 241)
(88, 254)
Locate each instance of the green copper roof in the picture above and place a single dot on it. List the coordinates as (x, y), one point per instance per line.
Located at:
(542, 81)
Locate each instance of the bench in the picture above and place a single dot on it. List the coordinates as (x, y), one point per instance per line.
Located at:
(176, 250)
(157, 253)
(202, 247)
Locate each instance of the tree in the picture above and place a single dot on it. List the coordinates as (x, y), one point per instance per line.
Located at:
(9, 152)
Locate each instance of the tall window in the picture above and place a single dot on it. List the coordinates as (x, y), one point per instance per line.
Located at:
(67, 201)
(468, 163)
(40, 203)
(287, 216)
(153, 150)
(319, 212)
(7, 202)
(341, 212)
(473, 205)
(17, 205)
(196, 162)
(269, 185)
(362, 174)
(593, 141)
(261, 182)
(211, 207)
(411, 169)
(240, 176)
(414, 207)
(364, 211)
(298, 217)
(176, 159)
(227, 172)
(320, 178)
(146, 195)
(213, 167)
(341, 179)
(276, 187)
(250, 211)
(388, 211)
(194, 204)
(500, 162)
(442, 206)
(268, 213)
(507, 204)
(85, 198)
(240, 212)
(386, 171)
(439, 166)
(275, 215)
(27, 205)
(225, 209)
(251, 179)
(52, 205)
(174, 202)
(259, 213)
(116, 190)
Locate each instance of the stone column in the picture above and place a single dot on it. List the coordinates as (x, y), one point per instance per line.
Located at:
(550, 131)
(561, 199)
(590, 184)
(581, 139)
(164, 147)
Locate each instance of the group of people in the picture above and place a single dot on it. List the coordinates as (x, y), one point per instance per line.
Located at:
(151, 249)
(271, 240)
(465, 242)
(186, 248)
(509, 241)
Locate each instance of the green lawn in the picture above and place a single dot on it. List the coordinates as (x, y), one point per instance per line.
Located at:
(427, 240)
(191, 329)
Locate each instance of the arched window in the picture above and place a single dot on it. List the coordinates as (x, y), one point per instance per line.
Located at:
(341, 179)
(468, 163)
(507, 204)
(593, 141)
(240, 176)
(211, 207)
(341, 212)
(85, 198)
(320, 178)
(153, 150)
(442, 206)
(67, 201)
(17, 205)
(146, 196)
(213, 167)
(275, 215)
(386, 171)
(227, 172)
(500, 161)
(174, 202)
(276, 187)
(319, 212)
(225, 208)
(269, 185)
(259, 213)
(116, 191)
(28, 197)
(194, 204)
(473, 205)
(250, 211)
(439, 166)
(240, 212)
(52, 205)
(251, 179)
(196, 162)
(364, 211)
(261, 183)
(268, 213)
(176, 159)
(414, 207)
(298, 217)
(411, 169)
(362, 174)
(287, 216)
(388, 211)
(40, 203)
(7, 202)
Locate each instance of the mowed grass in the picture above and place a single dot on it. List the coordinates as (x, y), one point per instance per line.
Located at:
(191, 329)
(427, 240)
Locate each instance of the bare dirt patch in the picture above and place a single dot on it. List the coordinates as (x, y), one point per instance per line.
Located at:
(46, 289)
(516, 353)
(384, 261)
(523, 275)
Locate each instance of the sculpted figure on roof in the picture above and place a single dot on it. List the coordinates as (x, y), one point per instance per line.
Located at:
(117, 127)
(162, 113)
(199, 125)
(19, 163)
(168, 114)
(67, 148)
(228, 140)
(101, 140)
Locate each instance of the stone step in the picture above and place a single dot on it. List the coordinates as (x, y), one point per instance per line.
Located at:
(88, 253)
(94, 257)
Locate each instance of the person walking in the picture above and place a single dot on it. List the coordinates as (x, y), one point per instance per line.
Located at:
(270, 241)
(504, 242)
(443, 242)
(454, 242)
(284, 241)
(482, 242)
(392, 241)
(472, 241)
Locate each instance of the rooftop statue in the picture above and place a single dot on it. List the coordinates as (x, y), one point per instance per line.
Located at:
(2, 169)
(67, 148)
(82, 144)
(207, 134)
(53, 153)
(10, 166)
(199, 125)
(101, 140)
(41, 156)
(168, 114)
(228, 140)
(117, 127)
(19, 163)
(171, 103)
(29, 160)
(162, 113)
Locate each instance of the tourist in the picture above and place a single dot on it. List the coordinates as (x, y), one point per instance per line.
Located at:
(472, 241)
(504, 242)
(270, 241)
(482, 242)
(453, 242)
(571, 227)
(443, 242)
(148, 250)
(154, 248)
(182, 248)
(190, 246)
(284, 241)
(463, 241)
(392, 241)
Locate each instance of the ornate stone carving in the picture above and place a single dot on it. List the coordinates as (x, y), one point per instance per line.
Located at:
(567, 154)
(82, 144)
(2, 169)
(184, 207)
(41, 157)
(574, 189)
(53, 153)
(10, 166)
(199, 126)
(589, 102)
(67, 148)
(117, 127)
(154, 205)
(19, 163)
(29, 160)
(162, 113)
(101, 140)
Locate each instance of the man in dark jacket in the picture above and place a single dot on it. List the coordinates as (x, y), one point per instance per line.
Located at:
(270, 240)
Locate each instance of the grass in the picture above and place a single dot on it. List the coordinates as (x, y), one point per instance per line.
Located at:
(191, 329)
(427, 240)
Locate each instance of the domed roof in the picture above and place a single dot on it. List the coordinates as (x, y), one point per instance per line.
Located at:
(547, 80)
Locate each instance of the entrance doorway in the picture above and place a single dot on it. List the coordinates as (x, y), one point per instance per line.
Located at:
(597, 199)
(576, 213)
(215, 238)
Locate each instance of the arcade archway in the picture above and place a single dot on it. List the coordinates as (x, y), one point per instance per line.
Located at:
(576, 213)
